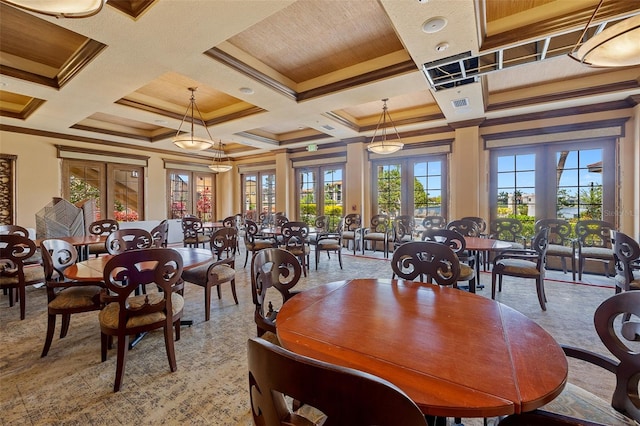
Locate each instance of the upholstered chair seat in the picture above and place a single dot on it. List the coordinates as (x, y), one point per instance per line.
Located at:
(76, 298)
(108, 317)
(199, 274)
(518, 267)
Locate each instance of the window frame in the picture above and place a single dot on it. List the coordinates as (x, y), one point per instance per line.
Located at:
(319, 191)
(407, 185)
(107, 184)
(545, 165)
(192, 203)
(259, 195)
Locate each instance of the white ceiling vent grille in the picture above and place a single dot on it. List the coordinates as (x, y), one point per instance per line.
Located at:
(460, 103)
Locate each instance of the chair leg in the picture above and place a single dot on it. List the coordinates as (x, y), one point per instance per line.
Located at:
(340, 257)
(176, 326)
(219, 292)
(317, 256)
(104, 344)
(573, 268)
(51, 326)
(168, 343)
(207, 302)
(493, 286)
(246, 257)
(121, 360)
(233, 290)
(22, 293)
(66, 319)
(541, 295)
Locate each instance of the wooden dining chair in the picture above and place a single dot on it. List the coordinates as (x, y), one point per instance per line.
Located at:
(15, 273)
(160, 234)
(455, 241)
(577, 406)
(327, 241)
(65, 297)
(223, 243)
(254, 240)
(403, 230)
(351, 230)
(560, 241)
(378, 231)
(101, 228)
(295, 239)
(128, 239)
(343, 396)
(593, 242)
(523, 263)
(36, 258)
(125, 315)
(627, 252)
(272, 268)
(193, 232)
(427, 261)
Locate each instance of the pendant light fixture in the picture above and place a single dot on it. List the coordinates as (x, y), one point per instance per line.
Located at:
(384, 146)
(190, 141)
(617, 46)
(221, 162)
(60, 8)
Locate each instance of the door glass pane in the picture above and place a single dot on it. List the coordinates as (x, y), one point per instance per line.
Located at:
(427, 190)
(268, 192)
(307, 202)
(332, 185)
(179, 189)
(516, 192)
(250, 197)
(579, 184)
(84, 184)
(126, 204)
(204, 197)
(389, 189)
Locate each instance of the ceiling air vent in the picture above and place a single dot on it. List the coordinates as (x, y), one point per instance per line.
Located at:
(460, 103)
(327, 127)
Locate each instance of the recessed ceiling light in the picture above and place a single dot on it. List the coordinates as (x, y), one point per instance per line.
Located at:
(3, 84)
(246, 90)
(434, 25)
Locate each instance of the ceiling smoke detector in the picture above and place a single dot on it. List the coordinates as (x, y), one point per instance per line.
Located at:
(434, 25)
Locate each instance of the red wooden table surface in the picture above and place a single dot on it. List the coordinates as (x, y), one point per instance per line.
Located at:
(456, 354)
(92, 269)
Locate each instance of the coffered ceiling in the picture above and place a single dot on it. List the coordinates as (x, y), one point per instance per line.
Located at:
(276, 74)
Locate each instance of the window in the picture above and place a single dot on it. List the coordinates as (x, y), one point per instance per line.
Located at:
(320, 194)
(411, 187)
(259, 197)
(569, 181)
(190, 193)
(516, 187)
(116, 188)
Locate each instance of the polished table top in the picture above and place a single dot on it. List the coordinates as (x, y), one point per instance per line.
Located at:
(485, 244)
(92, 269)
(456, 354)
(80, 240)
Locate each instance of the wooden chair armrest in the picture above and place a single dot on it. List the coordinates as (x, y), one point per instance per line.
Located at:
(591, 357)
(65, 284)
(524, 254)
(228, 261)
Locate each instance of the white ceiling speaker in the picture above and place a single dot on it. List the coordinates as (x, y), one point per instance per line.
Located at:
(434, 25)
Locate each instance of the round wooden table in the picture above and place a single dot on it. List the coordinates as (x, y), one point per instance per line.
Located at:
(92, 269)
(456, 354)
